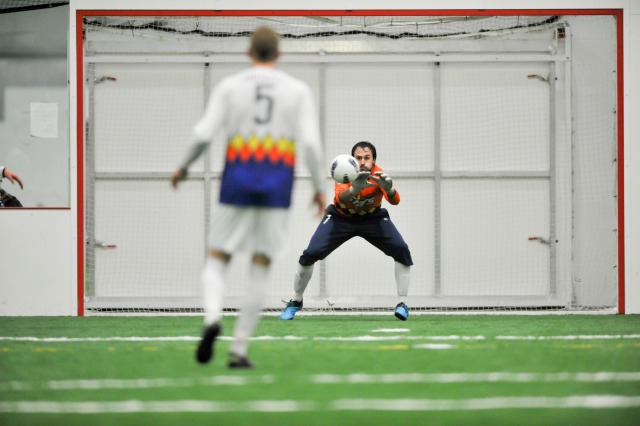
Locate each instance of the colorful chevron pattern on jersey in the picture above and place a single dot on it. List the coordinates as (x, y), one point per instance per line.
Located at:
(258, 171)
(269, 149)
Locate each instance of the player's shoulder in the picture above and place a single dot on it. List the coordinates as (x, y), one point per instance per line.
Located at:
(231, 81)
(294, 82)
(270, 74)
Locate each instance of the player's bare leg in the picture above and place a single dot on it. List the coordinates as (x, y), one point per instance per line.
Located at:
(213, 285)
(249, 311)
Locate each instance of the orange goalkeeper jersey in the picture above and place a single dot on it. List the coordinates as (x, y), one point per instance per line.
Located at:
(368, 201)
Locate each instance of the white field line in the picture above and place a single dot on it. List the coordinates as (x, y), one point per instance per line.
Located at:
(365, 338)
(603, 376)
(586, 401)
(102, 384)
(320, 311)
(590, 402)
(392, 338)
(320, 379)
(134, 406)
(578, 337)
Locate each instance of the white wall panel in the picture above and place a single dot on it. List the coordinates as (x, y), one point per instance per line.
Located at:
(37, 275)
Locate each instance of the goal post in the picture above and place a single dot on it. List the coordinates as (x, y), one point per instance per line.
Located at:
(498, 132)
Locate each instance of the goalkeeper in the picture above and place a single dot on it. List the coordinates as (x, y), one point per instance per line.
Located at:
(357, 212)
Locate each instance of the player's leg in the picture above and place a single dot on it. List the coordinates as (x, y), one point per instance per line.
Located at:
(403, 279)
(266, 238)
(213, 285)
(300, 281)
(329, 235)
(383, 234)
(250, 311)
(228, 230)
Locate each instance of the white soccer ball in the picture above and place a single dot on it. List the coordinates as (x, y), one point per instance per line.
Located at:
(344, 168)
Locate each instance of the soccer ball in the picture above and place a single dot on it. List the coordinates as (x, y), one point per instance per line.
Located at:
(344, 168)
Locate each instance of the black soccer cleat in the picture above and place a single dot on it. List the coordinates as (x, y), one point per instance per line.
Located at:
(205, 348)
(237, 361)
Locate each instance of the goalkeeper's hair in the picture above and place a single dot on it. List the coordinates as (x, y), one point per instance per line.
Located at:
(363, 145)
(264, 45)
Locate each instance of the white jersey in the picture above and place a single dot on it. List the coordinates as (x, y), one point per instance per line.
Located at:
(269, 117)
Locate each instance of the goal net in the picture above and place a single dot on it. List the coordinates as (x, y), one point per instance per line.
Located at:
(499, 133)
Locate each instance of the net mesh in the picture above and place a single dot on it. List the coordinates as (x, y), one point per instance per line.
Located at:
(10, 6)
(482, 122)
(318, 27)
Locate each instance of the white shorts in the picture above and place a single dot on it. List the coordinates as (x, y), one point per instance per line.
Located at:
(256, 230)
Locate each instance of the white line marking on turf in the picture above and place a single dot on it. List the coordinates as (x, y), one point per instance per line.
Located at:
(383, 338)
(603, 376)
(100, 384)
(135, 406)
(587, 401)
(436, 346)
(256, 338)
(102, 339)
(391, 330)
(579, 337)
(136, 339)
(300, 338)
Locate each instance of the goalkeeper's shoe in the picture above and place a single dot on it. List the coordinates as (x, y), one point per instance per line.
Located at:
(402, 311)
(289, 312)
(205, 348)
(237, 361)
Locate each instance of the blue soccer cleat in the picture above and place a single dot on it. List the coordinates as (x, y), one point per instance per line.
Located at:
(289, 312)
(402, 311)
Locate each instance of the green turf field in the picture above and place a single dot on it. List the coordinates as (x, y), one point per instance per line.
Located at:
(324, 370)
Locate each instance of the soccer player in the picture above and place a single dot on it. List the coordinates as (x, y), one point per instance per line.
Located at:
(356, 212)
(268, 117)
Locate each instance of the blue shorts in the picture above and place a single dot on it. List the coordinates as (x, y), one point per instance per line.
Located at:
(376, 228)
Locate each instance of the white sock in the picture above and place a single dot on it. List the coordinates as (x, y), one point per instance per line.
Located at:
(301, 280)
(251, 308)
(213, 283)
(403, 279)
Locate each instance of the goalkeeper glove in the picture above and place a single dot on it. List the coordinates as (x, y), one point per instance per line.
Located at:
(360, 183)
(384, 181)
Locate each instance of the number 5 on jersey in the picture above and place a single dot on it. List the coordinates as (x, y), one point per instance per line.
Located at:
(262, 97)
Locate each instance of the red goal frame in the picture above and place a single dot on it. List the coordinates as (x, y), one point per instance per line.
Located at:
(79, 71)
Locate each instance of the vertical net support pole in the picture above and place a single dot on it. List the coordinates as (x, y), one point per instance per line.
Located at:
(90, 186)
(437, 176)
(207, 165)
(553, 81)
(322, 83)
(568, 125)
